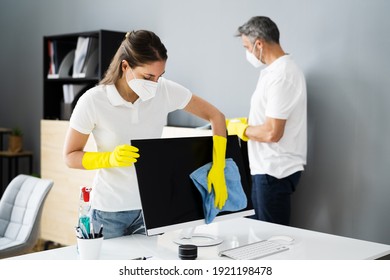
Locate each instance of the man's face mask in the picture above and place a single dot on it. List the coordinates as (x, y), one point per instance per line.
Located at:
(143, 88)
(252, 59)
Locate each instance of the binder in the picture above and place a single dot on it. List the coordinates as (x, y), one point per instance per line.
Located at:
(65, 70)
(91, 59)
(91, 66)
(86, 57)
(80, 55)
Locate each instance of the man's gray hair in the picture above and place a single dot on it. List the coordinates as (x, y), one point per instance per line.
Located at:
(260, 27)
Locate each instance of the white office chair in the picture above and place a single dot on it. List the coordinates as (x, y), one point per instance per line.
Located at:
(20, 212)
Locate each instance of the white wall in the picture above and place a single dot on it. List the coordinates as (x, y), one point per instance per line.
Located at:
(342, 47)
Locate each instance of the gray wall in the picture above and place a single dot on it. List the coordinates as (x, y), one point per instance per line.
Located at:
(342, 46)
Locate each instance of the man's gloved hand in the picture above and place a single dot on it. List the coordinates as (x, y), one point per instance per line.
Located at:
(237, 126)
(216, 176)
(243, 120)
(122, 156)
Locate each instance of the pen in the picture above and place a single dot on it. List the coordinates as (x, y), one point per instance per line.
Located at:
(141, 258)
(100, 231)
(91, 230)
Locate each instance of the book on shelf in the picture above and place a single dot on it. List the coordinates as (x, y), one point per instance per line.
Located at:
(52, 66)
(86, 57)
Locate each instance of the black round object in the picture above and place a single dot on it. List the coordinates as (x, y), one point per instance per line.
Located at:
(188, 252)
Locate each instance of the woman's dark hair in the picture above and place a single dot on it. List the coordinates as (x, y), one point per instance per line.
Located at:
(138, 48)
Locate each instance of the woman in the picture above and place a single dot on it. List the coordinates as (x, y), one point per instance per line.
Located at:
(132, 102)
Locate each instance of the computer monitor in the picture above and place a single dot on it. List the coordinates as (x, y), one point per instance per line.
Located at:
(170, 200)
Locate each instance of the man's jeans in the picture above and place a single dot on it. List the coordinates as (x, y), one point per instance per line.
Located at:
(271, 197)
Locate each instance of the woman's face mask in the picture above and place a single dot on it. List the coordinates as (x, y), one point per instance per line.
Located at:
(252, 59)
(143, 88)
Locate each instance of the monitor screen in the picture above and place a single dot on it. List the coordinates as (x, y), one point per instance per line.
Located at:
(169, 198)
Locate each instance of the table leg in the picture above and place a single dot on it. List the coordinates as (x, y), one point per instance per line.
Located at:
(2, 184)
(16, 167)
(9, 170)
(1, 172)
(30, 159)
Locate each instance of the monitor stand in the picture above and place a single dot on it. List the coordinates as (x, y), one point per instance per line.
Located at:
(187, 236)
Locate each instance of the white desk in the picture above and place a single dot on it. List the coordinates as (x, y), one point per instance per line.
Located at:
(308, 245)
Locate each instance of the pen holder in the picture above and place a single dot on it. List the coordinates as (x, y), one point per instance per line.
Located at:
(89, 249)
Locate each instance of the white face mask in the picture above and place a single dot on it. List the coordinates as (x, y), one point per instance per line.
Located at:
(143, 88)
(252, 59)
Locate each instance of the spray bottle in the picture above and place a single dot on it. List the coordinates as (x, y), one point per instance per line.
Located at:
(84, 207)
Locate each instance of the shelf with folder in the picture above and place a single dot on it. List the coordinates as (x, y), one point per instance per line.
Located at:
(74, 59)
(53, 100)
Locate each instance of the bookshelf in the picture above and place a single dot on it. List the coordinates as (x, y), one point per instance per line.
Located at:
(58, 57)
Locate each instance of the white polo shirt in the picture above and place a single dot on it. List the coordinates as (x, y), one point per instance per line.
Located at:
(114, 121)
(281, 94)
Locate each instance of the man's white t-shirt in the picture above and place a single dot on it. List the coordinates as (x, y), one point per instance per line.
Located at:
(281, 94)
(114, 121)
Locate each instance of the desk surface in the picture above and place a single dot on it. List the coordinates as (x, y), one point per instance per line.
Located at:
(307, 244)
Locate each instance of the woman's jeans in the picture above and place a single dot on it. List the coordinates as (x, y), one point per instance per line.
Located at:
(117, 224)
(271, 197)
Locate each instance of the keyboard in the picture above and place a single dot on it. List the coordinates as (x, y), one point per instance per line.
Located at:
(254, 250)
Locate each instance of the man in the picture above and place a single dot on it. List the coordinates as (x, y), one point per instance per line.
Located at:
(276, 128)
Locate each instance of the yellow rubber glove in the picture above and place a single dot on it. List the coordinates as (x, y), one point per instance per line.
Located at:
(122, 156)
(237, 127)
(216, 176)
(242, 120)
